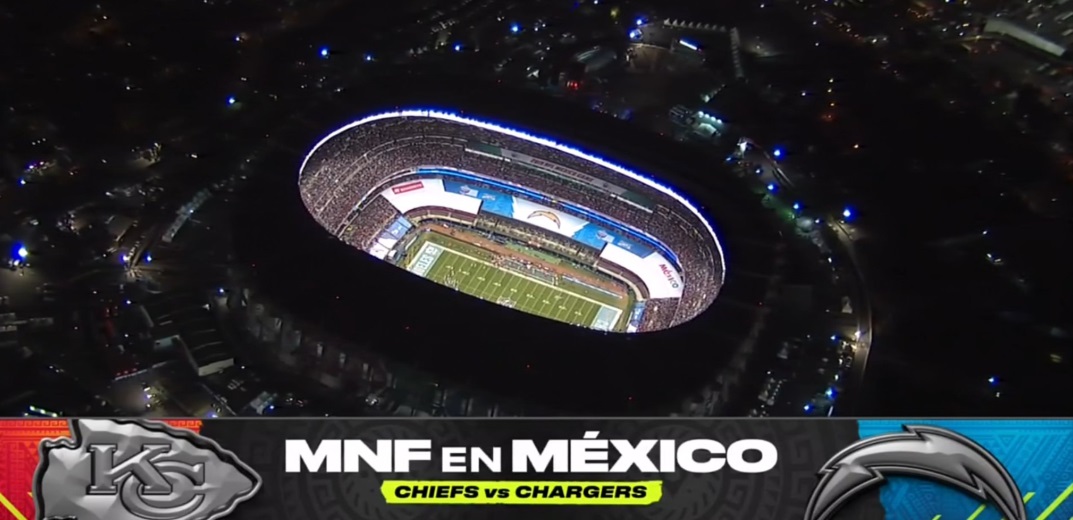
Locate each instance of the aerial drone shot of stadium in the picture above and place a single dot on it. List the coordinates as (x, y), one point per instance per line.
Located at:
(561, 208)
(464, 253)
(461, 213)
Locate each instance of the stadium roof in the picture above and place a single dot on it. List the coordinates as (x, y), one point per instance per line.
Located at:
(1046, 24)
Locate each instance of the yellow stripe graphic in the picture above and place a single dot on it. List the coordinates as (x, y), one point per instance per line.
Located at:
(11, 508)
(1043, 516)
(1057, 502)
(1027, 498)
(982, 507)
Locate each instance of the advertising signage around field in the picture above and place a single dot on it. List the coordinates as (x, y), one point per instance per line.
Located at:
(399, 227)
(573, 175)
(547, 218)
(655, 271)
(395, 468)
(494, 202)
(425, 193)
(597, 237)
(504, 205)
(407, 187)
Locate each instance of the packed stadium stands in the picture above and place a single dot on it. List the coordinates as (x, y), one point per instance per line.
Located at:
(341, 178)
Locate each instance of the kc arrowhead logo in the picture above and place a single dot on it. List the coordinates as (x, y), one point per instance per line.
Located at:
(138, 470)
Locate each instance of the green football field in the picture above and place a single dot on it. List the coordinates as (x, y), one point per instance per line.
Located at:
(470, 269)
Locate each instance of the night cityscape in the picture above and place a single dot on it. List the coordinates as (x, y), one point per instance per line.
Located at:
(765, 208)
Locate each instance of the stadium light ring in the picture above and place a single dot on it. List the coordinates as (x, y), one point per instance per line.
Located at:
(538, 140)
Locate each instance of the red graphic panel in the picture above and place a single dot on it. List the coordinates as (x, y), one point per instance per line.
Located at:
(19, 439)
(408, 187)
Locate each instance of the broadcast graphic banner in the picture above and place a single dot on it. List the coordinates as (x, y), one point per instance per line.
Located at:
(505, 205)
(477, 469)
(596, 236)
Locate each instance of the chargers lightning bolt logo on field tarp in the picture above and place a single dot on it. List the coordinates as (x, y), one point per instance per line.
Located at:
(922, 451)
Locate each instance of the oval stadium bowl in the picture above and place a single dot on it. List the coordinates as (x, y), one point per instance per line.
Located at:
(449, 241)
(516, 219)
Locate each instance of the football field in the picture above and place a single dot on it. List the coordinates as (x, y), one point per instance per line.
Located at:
(479, 277)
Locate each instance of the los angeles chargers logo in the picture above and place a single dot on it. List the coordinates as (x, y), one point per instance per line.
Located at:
(546, 214)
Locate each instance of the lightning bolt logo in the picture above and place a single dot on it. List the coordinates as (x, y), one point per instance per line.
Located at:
(921, 451)
(546, 214)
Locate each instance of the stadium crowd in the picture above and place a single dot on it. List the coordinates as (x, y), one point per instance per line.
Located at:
(340, 179)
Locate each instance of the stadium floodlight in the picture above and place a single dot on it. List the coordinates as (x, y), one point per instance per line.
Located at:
(541, 141)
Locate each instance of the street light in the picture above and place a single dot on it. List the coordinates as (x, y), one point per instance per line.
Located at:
(22, 252)
(847, 214)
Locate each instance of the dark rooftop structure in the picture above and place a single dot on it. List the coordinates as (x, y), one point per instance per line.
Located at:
(183, 320)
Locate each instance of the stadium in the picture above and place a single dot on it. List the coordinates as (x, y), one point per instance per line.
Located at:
(441, 253)
(514, 219)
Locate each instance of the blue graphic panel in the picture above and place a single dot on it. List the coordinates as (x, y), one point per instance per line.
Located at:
(636, 316)
(1037, 453)
(454, 182)
(494, 202)
(399, 228)
(596, 236)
